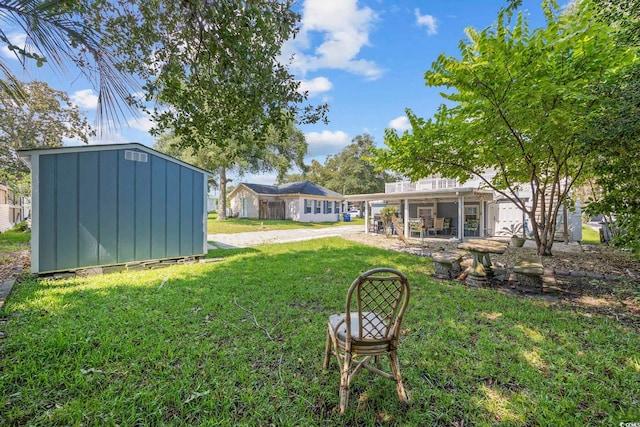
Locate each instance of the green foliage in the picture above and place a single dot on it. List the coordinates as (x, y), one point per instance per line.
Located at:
(612, 141)
(241, 341)
(211, 68)
(519, 99)
(43, 119)
(512, 229)
(349, 172)
(58, 34)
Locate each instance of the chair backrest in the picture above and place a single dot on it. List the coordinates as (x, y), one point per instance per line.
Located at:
(438, 223)
(379, 298)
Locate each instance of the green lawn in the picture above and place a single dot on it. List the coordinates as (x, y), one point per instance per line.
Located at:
(241, 341)
(590, 236)
(14, 240)
(240, 225)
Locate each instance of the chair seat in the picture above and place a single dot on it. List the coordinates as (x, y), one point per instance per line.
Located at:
(374, 323)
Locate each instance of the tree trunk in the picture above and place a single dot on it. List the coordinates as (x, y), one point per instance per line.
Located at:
(222, 200)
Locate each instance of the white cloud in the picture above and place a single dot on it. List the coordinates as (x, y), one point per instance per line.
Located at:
(400, 123)
(428, 21)
(143, 123)
(108, 138)
(18, 39)
(326, 142)
(315, 86)
(85, 98)
(344, 29)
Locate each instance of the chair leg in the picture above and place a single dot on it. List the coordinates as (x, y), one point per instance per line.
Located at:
(327, 352)
(344, 382)
(395, 369)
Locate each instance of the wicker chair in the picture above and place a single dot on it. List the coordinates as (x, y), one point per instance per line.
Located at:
(376, 302)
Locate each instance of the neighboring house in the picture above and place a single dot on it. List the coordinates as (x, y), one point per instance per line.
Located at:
(298, 201)
(468, 211)
(12, 208)
(212, 202)
(102, 205)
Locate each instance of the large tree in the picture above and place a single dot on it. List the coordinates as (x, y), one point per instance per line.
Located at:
(57, 33)
(351, 171)
(212, 70)
(612, 137)
(43, 118)
(519, 99)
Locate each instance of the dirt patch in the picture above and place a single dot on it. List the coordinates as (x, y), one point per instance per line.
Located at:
(14, 263)
(596, 279)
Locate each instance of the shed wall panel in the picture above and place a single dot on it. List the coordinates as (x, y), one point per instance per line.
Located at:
(143, 211)
(88, 209)
(126, 209)
(97, 208)
(108, 191)
(47, 202)
(158, 208)
(173, 210)
(199, 216)
(67, 210)
(186, 211)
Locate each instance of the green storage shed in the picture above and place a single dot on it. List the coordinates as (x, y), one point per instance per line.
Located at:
(102, 205)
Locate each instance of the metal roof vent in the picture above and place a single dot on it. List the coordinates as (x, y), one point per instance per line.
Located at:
(135, 156)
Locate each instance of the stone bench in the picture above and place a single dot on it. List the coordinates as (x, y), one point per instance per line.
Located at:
(528, 272)
(446, 265)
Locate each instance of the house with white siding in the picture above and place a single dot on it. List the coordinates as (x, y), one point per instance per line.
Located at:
(302, 201)
(464, 210)
(12, 208)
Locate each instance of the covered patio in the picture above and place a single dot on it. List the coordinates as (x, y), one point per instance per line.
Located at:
(449, 212)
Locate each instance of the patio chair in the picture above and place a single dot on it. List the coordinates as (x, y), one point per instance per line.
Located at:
(438, 225)
(370, 327)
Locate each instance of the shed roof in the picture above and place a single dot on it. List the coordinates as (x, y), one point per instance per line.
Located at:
(302, 187)
(26, 153)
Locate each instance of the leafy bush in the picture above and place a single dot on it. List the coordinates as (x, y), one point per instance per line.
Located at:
(513, 229)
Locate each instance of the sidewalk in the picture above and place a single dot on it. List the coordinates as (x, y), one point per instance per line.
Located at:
(254, 238)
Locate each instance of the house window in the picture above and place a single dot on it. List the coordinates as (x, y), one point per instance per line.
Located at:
(317, 205)
(471, 212)
(307, 206)
(328, 209)
(337, 206)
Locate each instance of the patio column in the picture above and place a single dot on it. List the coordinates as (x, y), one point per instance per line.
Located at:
(482, 219)
(405, 215)
(366, 217)
(461, 218)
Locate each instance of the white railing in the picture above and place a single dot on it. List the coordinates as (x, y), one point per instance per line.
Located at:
(399, 187)
(427, 184)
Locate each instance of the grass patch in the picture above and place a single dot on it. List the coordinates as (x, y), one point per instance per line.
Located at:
(241, 225)
(590, 236)
(12, 240)
(241, 341)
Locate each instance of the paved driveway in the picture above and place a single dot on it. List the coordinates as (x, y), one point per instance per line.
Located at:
(254, 238)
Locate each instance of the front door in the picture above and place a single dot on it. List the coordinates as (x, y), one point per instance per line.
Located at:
(245, 207)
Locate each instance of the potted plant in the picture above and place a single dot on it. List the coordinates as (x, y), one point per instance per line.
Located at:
(514, 230)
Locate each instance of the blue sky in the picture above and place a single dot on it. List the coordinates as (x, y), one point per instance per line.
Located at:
(365, 58)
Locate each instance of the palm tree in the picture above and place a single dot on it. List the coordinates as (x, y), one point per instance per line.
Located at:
(57, 34)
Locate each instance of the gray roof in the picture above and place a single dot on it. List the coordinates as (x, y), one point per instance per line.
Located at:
(28, 152)
(303, 187)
